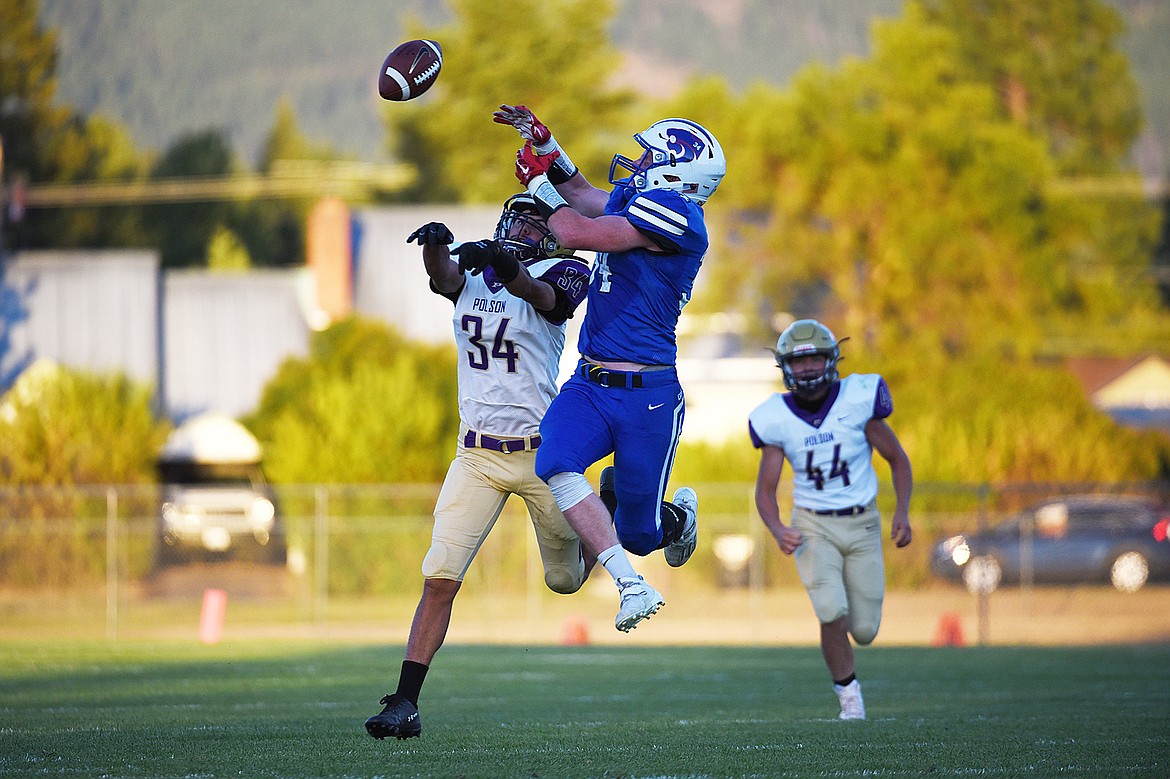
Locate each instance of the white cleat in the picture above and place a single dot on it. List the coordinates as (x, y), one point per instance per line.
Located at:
(681, 550)
(639, 601)
(852, 706)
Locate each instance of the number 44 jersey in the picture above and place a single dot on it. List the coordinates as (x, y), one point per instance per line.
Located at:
(509, 353)
(830, 456)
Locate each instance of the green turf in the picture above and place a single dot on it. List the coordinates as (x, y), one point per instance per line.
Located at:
(291, 709)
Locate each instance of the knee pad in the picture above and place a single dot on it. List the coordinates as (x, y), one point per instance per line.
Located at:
(864, 633)
(563, 580)
(569, 489)
(441, 563)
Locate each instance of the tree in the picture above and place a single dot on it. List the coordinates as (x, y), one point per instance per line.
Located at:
(66, 427)
(28, 63)
(1057, 70)
(552, 55)
(366, 405)
(897, 193)
(183, 231)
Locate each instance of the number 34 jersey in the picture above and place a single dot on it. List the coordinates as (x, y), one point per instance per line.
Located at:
(831, 457)
(508, 352)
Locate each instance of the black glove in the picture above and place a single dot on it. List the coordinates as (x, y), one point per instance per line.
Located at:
(432, 234)
(476, 256)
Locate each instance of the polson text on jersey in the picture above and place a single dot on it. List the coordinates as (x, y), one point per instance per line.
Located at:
(490, 306)
(819, 438)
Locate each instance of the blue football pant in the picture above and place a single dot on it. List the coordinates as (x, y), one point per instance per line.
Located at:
(640, 427)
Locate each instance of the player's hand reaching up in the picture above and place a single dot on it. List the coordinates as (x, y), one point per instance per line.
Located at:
(529, 164)
(432, 234)
(525, 122)
(560, 168)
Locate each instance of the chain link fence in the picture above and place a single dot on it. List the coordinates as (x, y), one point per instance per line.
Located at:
(102, 561)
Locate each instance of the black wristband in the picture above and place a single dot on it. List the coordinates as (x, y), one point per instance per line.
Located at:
(557, 174)
(506, 266)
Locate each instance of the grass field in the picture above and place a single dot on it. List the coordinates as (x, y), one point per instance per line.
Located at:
(295, 709)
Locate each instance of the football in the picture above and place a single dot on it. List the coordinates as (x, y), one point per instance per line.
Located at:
(411, 69)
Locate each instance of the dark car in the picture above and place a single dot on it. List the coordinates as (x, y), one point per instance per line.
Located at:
(1073, 539)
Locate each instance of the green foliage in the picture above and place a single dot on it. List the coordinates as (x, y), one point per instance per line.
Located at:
(226, 253)
(1000, 420)
(63, 433)
(365, 406)
(66, 427)
(1058, 71)
(554, 56)
(895, 191)
(182, 231)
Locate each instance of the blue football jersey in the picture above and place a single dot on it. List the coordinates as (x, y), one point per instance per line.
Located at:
(636, 296)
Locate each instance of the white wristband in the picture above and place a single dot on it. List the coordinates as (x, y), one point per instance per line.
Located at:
(561, 163)
(548, 200)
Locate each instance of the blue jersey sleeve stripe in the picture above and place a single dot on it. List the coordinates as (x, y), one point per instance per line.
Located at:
(666, 211)
(654, 220)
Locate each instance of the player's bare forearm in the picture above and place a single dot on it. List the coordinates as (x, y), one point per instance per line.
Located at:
(539, 293)
(443, 271)
(609, 233)
(767, 482)
(583, 197)
(882, 437)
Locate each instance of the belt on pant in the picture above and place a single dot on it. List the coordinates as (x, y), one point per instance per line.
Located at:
(610, 378)
(852, 511)
(477, 440)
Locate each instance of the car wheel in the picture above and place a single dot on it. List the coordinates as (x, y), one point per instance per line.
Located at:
(1130, 571)
(982, 574)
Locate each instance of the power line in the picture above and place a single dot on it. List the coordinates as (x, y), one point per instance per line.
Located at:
(289, 179)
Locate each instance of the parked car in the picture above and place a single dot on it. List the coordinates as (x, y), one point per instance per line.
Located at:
(1072, 539)
(215, 501)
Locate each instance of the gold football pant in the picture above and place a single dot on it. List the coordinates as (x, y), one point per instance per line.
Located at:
(840, 565)
(478, 483)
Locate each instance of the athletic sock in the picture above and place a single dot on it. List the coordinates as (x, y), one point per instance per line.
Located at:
(410, 681)
(615, 561)
(848, 680)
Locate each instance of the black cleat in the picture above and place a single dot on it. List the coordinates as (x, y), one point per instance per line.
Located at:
(399, 719)
(606, 490)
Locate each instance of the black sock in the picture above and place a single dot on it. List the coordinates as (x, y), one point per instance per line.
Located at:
(674, 521)
(410, 681)
(846, 681)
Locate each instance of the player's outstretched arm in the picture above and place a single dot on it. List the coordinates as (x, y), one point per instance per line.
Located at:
(882, 438)
(603, 233)
(475, 257)
(435, 238)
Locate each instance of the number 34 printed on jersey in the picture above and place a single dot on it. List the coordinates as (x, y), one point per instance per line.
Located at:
(502, 348)
(838, 469)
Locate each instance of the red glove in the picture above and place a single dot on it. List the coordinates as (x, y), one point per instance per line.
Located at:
(543, 142)
(525, 122)
(530, 165)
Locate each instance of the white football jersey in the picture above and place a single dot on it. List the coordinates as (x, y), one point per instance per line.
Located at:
(830, 456)
(509, 354)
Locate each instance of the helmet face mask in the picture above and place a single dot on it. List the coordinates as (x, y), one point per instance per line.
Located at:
(522, 231)
(679, 155)
(802, 338)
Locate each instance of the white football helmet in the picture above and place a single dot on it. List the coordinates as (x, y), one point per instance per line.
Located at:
(679, 154)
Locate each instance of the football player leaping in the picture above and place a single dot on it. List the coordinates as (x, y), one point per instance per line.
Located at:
(827, 429)
(512, 296)
(625, 397)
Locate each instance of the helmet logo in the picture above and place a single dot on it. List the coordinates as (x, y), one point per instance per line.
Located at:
(684, 144)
